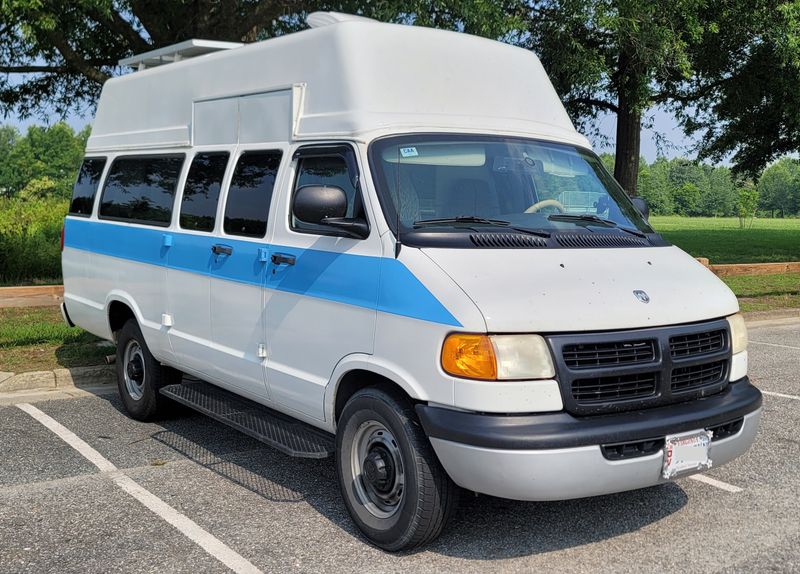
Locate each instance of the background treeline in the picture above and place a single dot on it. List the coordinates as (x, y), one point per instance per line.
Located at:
(681, 186)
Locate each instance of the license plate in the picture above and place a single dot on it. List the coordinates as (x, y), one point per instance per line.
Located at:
(686, 452)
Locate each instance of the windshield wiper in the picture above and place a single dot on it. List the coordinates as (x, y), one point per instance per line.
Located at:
(472, 220)
(593, 219)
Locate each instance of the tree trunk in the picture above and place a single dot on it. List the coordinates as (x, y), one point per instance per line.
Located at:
(629, 129)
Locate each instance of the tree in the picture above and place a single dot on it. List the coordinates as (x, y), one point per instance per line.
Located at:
(743, 99)
(747, 204)
(44, 161)
(779, 187)
(711, 61)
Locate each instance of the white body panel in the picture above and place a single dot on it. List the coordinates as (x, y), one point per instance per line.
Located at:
(548, 291)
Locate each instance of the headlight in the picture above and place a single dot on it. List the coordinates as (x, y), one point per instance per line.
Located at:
(497, 357)
(738, 333)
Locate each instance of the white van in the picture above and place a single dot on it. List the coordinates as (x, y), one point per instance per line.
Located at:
(389, 244)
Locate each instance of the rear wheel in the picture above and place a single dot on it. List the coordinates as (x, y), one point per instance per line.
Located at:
(393, 485)
(140, 375)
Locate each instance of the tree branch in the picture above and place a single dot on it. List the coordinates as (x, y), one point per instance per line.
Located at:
(33, 69)
(74, 60)
(123, 28)
(595, 103)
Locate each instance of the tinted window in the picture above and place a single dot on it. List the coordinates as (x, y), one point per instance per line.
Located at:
(201, 192)
(330, 170)
(250, 193)
(141, 189)
(86, 186)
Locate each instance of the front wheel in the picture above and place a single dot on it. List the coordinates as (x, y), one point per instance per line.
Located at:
(393, 485)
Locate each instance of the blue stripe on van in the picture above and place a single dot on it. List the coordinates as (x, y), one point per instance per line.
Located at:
(371, 282)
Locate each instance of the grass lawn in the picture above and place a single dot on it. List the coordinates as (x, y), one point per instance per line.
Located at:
(722, 241)
(766, 292)
(36, 339)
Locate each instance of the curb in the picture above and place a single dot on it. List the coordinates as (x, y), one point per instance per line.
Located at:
(58, 379)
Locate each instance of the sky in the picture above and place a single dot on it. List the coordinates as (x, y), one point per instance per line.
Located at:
(663, 123)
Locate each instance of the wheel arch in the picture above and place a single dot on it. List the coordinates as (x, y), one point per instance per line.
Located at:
(357, 372)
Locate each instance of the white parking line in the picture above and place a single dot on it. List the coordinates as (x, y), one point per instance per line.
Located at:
(193, 531)
(714, 482)
(780, 395)
(775, 345)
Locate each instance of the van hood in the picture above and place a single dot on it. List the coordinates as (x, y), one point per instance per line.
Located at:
(558, 290)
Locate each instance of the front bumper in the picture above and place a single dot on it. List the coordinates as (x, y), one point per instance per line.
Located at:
(558, 456)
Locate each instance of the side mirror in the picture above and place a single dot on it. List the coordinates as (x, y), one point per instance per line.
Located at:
(327, 205)
(313, 203)
(640, 204)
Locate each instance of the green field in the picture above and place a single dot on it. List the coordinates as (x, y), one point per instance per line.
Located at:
(723, 241)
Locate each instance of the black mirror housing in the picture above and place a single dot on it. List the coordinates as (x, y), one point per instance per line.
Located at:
(314, 203)
(327, 205)
(640, 204)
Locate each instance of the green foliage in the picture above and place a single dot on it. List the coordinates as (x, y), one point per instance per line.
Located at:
(746, 205)
(30, 239)
(44, 161)
(779, 187)
(743, 100)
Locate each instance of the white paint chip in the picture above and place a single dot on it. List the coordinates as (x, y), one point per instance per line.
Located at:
(717, 483)
(185, 525)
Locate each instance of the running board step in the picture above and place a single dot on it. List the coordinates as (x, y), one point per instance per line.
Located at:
(283, 433)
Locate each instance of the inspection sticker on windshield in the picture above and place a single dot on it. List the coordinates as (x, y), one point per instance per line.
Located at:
(408, 152)
(686, 452)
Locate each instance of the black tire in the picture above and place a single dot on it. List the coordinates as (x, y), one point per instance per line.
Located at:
(140, 395)
(428, 496)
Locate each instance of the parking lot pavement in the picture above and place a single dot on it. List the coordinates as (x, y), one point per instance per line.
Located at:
(206, 491)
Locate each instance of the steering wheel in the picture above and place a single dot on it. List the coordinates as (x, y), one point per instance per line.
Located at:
(546, 203)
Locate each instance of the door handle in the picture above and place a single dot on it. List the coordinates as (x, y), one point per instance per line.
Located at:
(283, 258)
(219, 249)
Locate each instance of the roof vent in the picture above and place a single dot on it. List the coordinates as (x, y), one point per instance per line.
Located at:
(320, 19)
(176, 53)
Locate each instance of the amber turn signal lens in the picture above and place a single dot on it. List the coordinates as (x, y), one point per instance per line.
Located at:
(470, 356)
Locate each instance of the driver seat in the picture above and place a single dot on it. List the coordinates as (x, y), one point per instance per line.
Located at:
(469, 196)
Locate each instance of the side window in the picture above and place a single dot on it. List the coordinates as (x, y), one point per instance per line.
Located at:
(86, 186)
(331, 170)
(250, 193)
(201, 192)
(141, 189)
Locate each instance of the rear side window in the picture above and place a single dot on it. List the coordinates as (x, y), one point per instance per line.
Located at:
(86, 186)
(250, 193)
(141, 189)
(201, 192)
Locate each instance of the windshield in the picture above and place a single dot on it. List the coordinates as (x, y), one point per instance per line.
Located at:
(446, 183)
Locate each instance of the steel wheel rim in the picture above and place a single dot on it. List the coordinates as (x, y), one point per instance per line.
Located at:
(134, 370)
(378, 472)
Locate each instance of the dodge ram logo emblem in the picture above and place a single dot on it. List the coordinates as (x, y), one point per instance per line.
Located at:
(642, 296)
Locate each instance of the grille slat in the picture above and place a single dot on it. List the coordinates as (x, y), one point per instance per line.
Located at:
(693, 344)
(589, 355)
(686, 378)
(603, 389)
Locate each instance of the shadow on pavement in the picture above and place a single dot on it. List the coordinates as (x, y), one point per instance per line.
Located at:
(483, 528)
